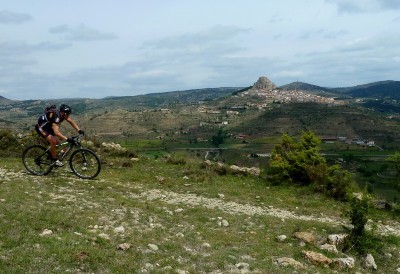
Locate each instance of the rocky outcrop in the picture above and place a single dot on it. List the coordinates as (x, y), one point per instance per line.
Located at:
(264, 83)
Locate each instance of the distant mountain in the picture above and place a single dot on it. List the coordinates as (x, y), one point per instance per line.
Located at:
(4, 101)
(378, 90)
(164, 99)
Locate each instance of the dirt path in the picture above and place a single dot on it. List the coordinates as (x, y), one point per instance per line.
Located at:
(235, 208)
(392, 228)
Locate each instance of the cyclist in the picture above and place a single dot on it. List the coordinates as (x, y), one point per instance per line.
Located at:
(48, 127)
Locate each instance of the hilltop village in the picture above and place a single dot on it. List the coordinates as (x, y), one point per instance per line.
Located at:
(268, 91)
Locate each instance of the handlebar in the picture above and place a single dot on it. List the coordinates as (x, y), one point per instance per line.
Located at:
(75, 140)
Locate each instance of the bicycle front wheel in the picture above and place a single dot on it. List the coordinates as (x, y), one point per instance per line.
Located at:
(37, 160)
(84, 163)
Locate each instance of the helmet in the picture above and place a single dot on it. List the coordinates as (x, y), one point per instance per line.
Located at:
(65, 108)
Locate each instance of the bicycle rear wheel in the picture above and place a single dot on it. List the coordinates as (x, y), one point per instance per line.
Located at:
(37, 160)
(84, 163)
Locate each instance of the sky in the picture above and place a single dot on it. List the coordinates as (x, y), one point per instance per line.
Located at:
(99, 48)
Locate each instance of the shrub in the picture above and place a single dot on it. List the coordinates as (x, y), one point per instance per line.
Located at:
(361, 240)
(298, 162)
(9, 144)
(339, 183)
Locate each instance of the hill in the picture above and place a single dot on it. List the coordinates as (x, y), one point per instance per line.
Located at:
(172, 215)
(378, 90)
(305, 87)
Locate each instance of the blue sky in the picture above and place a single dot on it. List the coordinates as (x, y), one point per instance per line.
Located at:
(97, 48)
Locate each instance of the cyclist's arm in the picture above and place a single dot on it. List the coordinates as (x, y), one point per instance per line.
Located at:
(72, 123)
(58, 133)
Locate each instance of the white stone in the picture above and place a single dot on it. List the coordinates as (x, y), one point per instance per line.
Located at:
(224, 223)
(281, 238)
(369, 262)
(46, 232)
(345, 262)
(153, 247)
(104, 236)
(119, 230)
(330, 248)
(124, 246)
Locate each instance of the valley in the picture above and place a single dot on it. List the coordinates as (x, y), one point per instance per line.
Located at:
(236, 125)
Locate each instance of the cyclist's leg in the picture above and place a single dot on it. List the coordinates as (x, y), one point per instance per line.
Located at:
(50, 138)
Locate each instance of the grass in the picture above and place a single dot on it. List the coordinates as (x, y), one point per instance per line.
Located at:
(162, 202)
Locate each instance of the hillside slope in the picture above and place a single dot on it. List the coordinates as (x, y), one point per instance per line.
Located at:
(156, 216)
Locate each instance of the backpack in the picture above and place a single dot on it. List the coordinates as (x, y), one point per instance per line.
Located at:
(47, 112)
(51, 108)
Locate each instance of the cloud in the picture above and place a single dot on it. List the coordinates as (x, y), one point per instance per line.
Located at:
(359, 6)
(18, 47)
(17, 55)
(200, 41)
(9, 17)
(81, 33)
(323, 33)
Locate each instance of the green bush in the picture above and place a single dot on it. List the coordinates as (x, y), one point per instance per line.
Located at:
(360, 240)
(301, 163)
(298, 162)
(339, 183)
(9, 144)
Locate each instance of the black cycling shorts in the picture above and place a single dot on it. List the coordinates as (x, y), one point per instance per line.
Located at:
(42, 132)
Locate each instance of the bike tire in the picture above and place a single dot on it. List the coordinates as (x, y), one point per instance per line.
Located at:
(84, 163)
(36, 160)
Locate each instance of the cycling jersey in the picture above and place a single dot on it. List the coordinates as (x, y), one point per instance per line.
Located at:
(44, 126)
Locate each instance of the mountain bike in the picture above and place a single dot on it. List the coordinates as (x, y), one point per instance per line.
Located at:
(83, 162)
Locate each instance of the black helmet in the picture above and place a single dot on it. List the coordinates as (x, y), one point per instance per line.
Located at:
(65, 108)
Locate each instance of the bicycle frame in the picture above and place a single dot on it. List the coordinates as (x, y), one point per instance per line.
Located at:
(83, 162)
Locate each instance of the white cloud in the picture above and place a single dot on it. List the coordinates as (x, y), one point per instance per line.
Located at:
(81, 33)
(9, 17)
(356, 6)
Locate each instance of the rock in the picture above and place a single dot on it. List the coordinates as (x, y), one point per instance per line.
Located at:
(316, 258)
(382, 204)
(225, 223)
(336, 239)
(264, 83)
(245, 170)
(120, 230)
(153, 247)
(46, 232)
(307, 237)
(281, 238)
(285, 261)
(242, 266)
(344, 263)
(330, 248)
(124, 246)
(104, 236)
(369, 262)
